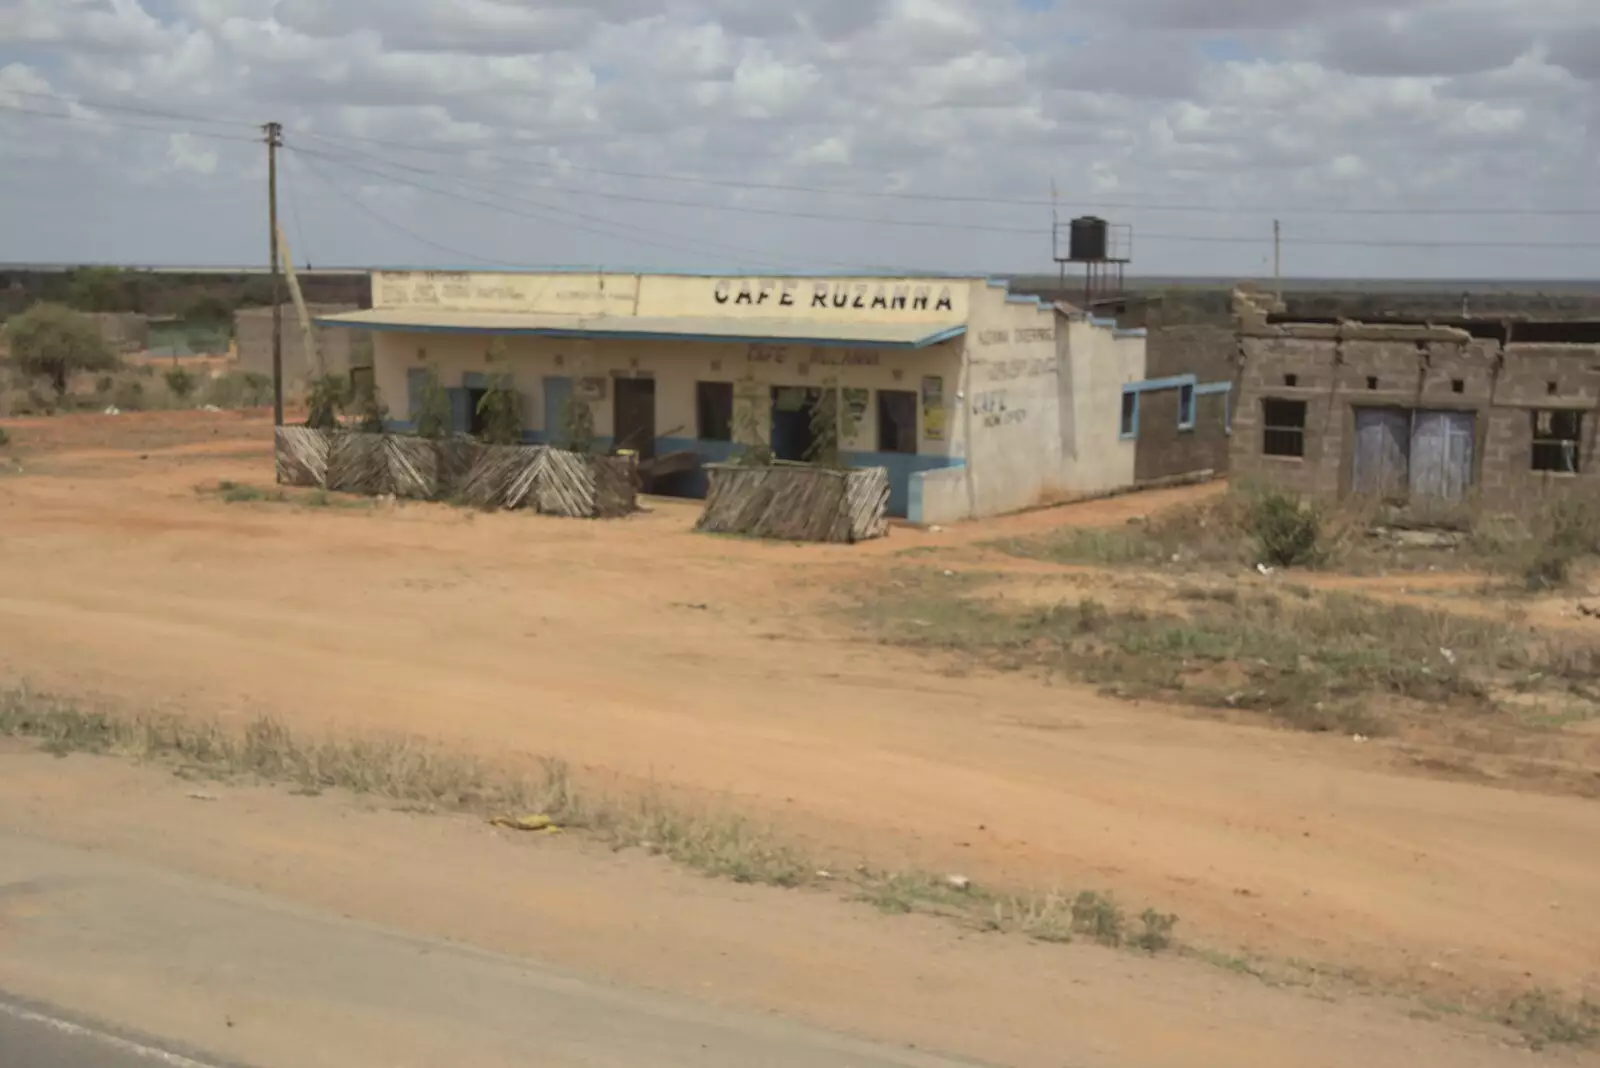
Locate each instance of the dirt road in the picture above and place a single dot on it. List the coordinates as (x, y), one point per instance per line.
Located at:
(225, 937)
(646, 654)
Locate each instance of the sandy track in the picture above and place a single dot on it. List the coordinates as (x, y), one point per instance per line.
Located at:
(516, 635)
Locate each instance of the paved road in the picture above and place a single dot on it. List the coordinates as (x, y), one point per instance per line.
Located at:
(259, 983)
(38, 1036)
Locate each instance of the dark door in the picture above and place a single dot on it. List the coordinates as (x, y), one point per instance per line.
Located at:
(634, 415)
(1382, 460)
(1441, 455)
(793, 409)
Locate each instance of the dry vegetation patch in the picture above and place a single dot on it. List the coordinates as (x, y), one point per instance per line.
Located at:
(1320, 662)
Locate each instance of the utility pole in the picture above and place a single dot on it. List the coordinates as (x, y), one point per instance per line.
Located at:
(1277, 260)
(274, 133)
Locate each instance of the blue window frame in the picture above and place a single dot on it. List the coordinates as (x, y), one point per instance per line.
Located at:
(1129, 427)
(1186, 407)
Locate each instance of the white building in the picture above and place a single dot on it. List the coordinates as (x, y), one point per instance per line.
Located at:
(977, 402)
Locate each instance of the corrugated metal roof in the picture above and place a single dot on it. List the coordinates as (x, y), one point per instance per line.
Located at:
(662, 328)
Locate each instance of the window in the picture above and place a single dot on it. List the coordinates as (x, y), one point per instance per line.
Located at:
(1185, 407)
(1130, 414)
(1458, 385)
(1372, 381)
(1283, 424)
(1556, 435)
(897, 420)
(1291, 381)
(713, 405)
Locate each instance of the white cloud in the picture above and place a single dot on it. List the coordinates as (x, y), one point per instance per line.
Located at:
(186, 153)
(547, 111)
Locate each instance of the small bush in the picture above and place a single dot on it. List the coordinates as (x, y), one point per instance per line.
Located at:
(129, 395)
(328, 396)
(5, 437)
(180, 381)
(1155, 931)
(577, 425)
(1288, 533)
(500, 413)
(1097, 916)
(246, 389)
(1544, 1019)
(432, 417)
(371, 413)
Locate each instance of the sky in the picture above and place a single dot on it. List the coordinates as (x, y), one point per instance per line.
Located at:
(1390, 138)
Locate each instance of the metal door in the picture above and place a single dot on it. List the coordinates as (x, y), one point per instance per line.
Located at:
(1441, 455)
(1382, 459)
(557, 389)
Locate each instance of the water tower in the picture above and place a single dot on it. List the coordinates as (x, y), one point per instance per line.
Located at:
(1103, 248)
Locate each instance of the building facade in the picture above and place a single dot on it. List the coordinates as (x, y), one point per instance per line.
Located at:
(1492, 414)
(342, 350)
(977, 401)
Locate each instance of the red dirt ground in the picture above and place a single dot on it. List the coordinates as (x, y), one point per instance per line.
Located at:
(645, 653)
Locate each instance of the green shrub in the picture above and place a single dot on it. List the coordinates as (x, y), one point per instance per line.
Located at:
(5, 437)
(370, 411)
(1287, 532)
(500, 413)
(180, 381)
(327, 397)
(129, 395)
(577, 425)
(53, 342)
(432, 417)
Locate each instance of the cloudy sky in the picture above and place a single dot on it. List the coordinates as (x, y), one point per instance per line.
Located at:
(1393, 138)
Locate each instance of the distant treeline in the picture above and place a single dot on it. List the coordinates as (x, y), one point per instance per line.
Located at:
(198, 297)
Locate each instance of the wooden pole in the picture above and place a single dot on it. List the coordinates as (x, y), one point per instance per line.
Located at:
(1277, 260)
(274, 140)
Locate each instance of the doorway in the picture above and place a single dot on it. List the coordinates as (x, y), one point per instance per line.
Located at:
(1403, 455)
(633, 414)
(475, 421)
(793, 411)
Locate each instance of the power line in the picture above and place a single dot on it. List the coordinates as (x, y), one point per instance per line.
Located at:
(1145, 204)
(551, 213)
(356, 202)
(1263, 239)
(630, 230)
(97, 121)
(101, 105)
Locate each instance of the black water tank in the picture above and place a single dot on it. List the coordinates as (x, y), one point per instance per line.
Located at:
(1088, 242)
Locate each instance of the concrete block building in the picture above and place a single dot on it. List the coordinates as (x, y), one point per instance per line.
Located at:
(976, 401)
(342, 350)
(1493, 414)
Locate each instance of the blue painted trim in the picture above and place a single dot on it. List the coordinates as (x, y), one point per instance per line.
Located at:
(1151, 385)
(1129, 435)
(645, 335)
(1023, 298)
(1108, 324)
(1206, 389)
(1119, 332)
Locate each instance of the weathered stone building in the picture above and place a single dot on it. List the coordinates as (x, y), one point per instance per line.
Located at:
(1498, 414)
